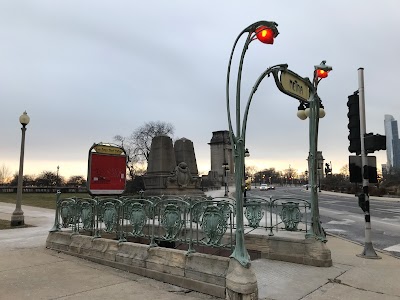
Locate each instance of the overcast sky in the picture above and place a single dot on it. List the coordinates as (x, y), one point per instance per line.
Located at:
(87, 70)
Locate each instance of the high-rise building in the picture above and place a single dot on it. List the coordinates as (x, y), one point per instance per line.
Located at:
(392, 142)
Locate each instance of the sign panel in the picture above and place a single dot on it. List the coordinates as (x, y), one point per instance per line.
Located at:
(107, 172)
(108, 149)
(294, 85)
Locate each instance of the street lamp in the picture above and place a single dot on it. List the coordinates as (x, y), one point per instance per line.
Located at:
(17, 217)
(314, 110)
(293, 85)
(225, 167)
(265, 32)
(58, 169)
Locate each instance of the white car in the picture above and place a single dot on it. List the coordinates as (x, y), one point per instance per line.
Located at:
(266, 187)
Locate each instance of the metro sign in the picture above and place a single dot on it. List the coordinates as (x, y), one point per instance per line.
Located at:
(106, 170)
(294, 85)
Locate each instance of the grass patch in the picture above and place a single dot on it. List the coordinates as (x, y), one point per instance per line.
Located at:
(44, 200)
(6, 224)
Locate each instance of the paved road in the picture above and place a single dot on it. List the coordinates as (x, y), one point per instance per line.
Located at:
(341, 215)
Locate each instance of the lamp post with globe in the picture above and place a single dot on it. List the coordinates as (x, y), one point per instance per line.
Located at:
(17, 217)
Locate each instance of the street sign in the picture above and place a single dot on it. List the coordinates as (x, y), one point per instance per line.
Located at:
(107, 170)
(294, 85)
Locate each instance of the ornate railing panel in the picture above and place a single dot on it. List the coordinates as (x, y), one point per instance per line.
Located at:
(109, 217)
(138, 213)
(68, 212)
(86, 209)
(211, 220)
(289, 213)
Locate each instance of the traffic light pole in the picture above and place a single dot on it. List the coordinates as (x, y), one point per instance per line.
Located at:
(368, 251)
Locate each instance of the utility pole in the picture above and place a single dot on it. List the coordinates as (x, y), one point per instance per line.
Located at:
(369, 251)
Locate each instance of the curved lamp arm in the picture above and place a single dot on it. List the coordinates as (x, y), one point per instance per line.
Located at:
(273, 69)
(250, 29)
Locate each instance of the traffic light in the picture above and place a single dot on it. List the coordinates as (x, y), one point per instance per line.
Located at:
(354, 123)
(328, 170)
(374, 142)
(356, 176)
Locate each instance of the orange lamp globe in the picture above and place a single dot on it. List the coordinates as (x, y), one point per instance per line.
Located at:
(322, 73)
(265, 35)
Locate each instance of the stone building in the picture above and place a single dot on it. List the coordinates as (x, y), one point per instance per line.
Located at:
(221, 154)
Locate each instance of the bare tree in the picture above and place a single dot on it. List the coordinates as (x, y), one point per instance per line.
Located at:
(49, 178)
(141, 138)
(250, 171)
(27, 180)
(267, 176)
(5, 174)
(137, 145)
(345, 170)
(290, 174)
(76, 180)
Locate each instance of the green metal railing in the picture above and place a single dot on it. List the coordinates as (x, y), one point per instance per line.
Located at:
(189, 223)
(278, 214)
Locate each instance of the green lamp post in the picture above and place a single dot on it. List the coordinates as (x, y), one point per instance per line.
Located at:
(314, 110)
(293, 85)
(265, 32)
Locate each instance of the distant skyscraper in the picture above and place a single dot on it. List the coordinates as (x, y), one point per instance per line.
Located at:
(392, 142)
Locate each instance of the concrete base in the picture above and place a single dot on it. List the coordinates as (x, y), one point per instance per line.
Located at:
(241, 282)
(17, 219)
(369, 252)
(306, 251)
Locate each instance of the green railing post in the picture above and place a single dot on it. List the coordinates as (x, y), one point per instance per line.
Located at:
(56, 226)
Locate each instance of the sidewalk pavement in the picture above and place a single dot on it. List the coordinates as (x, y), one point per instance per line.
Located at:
(30, 271)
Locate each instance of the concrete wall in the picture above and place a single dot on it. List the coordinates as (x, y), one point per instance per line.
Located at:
(210, 274)
(200, 272)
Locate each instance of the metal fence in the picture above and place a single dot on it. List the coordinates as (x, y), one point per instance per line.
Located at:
(180, 222)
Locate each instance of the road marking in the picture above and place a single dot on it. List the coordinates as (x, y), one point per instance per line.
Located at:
(375, 220)
(343, 222)
(334, 230)
(391, 210)
(394, 248)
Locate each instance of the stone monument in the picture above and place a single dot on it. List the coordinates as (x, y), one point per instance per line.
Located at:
(172, 170)
(221, 154)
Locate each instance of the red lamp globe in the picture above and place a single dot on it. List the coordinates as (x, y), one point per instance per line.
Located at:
(322, 73)
(265, 35)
